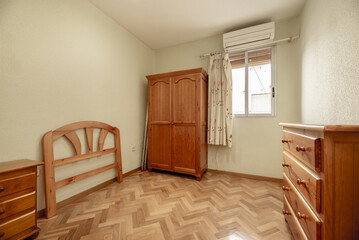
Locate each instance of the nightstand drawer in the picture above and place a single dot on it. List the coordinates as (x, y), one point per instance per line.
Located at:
(17, 204)
(305, 180)
(18, 183)
(17, 225)
(305, 148)
(292, 221)
(310, 223)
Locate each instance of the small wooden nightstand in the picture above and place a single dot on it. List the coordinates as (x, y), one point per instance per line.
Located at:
(18, 191)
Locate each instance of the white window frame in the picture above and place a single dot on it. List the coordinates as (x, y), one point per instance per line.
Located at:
(273, 84)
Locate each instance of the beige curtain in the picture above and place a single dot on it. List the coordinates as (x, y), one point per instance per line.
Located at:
(220, 101)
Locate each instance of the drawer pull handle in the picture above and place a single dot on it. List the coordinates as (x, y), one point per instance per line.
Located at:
(298, 148)
(285, 141)
(300, 181)
(2, 189)
(285, 188)
(285, 212)
(2, 211)
(284, 164)
(301, 215)
(2, 234)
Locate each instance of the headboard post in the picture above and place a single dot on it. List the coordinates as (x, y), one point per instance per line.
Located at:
(50, 190)
(118, 155)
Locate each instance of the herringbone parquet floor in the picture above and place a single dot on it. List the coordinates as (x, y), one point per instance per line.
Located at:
(166, 206)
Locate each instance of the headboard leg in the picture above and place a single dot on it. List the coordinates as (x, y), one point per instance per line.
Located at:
(50, 189)
(118, 155)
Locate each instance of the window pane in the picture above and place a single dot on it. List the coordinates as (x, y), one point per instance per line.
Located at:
(259, 82)
(238, 88)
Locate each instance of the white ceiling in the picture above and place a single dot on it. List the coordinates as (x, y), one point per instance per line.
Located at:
(163, 23)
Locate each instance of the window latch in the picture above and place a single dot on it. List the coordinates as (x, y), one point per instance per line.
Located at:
(273, 92)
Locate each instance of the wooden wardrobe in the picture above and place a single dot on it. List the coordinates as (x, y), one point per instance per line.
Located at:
(177, 122)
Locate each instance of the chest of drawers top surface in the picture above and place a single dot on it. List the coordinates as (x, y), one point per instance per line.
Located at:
(11, 166)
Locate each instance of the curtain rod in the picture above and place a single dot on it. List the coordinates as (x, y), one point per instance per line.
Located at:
(289, 40)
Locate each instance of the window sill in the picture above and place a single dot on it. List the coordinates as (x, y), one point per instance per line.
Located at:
(254, 115)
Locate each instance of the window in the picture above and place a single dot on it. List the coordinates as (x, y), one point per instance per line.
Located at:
(253, 83)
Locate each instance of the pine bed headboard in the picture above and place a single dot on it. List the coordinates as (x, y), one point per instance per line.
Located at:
(69, 132)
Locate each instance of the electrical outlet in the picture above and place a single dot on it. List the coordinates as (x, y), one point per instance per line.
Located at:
(133, 148)
(38, 171)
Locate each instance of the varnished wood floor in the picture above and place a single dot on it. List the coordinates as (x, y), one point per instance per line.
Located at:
(165, 206)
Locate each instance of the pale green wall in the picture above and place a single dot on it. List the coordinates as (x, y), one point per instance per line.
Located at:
(256, 141)
(330, 62)
(63, 61)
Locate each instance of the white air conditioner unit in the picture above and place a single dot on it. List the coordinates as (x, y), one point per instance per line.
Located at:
(249, 37)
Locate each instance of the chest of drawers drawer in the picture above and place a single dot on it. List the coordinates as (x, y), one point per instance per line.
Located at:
(310, 223)
(305, 148)
(12, 228)
(17, 183)
(297, 230)
(308, 183)
(17, 203)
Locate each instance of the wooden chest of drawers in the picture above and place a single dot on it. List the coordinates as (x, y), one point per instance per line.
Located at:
(18, 190)
(321, 180)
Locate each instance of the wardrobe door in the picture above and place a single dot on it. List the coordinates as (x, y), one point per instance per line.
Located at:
(159, 113)
(184, 123)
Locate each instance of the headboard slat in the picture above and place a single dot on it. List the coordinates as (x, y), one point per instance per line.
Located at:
(101, 139)
(89, 137)
(81, 176)
(75, 141)
(77, 158)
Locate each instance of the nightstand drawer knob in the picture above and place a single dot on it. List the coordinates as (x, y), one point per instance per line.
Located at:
(2, 211)
(301, 215)
(285, 188)
(2, 234)
(2, 189)
(284, 164)
(285, 212)
(299, 148)
(300, 181)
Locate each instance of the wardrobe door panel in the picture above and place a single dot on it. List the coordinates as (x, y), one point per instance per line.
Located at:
(159, 152)
(159, 112)
(184, 99)
(184, 123)
(159, 98)
(183, 147)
